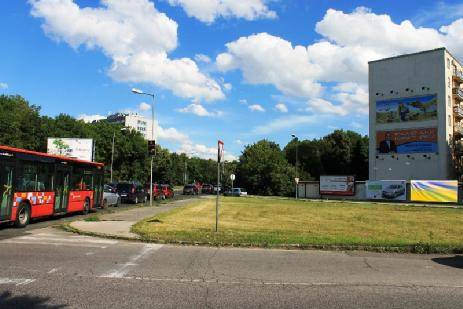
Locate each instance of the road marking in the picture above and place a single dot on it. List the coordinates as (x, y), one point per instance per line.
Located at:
(126, 267)
(53, 270)
(55, 240)
(16, 281)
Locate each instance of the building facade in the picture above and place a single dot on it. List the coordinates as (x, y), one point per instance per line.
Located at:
(134, 121)
(416, 117)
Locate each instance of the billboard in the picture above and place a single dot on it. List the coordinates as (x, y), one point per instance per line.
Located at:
(77, 148)
(407, 109)
(387, 190)
(337, 185)
(422, 140)
(443, 191)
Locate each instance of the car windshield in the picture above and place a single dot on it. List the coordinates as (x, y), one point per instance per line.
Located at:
(124, 187)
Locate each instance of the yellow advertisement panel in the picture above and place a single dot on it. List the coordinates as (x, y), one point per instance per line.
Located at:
(443, 191)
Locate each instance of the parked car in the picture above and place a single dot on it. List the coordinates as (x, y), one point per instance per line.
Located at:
(219, 188)
(156, 191)
(393, 191)
(110, 197)
(236, 192)
(167, 191)
(190, 190)
(207, 189)
(131, 192)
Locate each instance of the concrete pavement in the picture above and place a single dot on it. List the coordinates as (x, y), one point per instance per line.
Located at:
(118, 224)
(48, 268)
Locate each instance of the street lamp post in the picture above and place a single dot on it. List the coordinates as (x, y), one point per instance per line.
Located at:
(297, 150)
(138, 91)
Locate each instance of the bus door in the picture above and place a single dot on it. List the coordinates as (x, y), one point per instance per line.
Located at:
(6, 189)
(61, 187)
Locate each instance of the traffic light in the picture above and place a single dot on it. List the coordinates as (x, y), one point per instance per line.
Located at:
(152, 148)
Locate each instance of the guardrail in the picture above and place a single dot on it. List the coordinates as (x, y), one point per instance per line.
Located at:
(458, 111)
(458, 74)
(458, 93)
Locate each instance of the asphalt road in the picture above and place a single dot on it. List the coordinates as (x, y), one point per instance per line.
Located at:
(49, 268)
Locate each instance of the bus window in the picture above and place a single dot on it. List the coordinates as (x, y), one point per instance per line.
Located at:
(45, 177)
(27, 180)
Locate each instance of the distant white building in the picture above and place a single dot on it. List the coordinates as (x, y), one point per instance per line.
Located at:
(134, 121)
(416, 128)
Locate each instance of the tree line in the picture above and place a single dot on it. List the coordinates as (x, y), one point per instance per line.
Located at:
(263, 167)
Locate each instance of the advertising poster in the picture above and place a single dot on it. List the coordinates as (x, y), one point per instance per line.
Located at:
(77, 148)
(422, 140)
(337, 185)
(407, 109)
(442, 191)
(395, 190)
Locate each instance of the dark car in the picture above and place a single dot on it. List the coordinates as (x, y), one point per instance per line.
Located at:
(207, 189)
(190, 190)
(132, 192)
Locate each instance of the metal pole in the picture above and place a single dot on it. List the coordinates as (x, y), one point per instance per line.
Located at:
(297, 144)
(217, 200)
(112, 155)
(151, 182)
(152, 157)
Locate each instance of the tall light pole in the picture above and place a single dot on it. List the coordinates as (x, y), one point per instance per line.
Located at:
(185, 177)
(138, 91)
(297, 144)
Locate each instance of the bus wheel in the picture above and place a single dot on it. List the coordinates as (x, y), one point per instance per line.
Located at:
(24, 215)
(86, 207)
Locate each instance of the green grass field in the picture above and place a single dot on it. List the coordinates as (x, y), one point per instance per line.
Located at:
(273, 222)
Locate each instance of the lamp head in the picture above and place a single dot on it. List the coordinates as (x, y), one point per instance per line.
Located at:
(137, 91)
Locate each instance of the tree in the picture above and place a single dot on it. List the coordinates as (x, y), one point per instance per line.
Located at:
(20, 123)
(263, 170)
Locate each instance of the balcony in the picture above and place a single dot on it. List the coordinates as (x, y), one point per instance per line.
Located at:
(458, 112)
(458, 128)
(458, 76)
(458, 94)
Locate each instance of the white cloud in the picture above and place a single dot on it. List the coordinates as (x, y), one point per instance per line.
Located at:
(281, 107)
(256, 108)
(349, 41)
(144, 106)
(90, 118)
(3, 86)
(356, 125)
(243, 101)
(209, 11)
(199, 110)
(202, 58)
(205, 152)
(285, 123)
(135, 36)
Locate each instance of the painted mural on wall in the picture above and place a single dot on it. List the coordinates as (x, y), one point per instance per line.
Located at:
(407, 109)
(443, 191)
(423, 140)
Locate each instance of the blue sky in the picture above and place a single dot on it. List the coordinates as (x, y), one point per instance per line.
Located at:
(265, 69)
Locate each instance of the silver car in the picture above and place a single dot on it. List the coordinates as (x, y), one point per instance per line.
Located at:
(110, 197)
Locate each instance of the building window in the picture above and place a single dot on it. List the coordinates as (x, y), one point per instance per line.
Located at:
(448, 82)
(448, 63)
(449, 104)
(450, 120)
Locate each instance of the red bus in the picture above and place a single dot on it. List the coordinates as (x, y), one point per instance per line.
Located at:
(35, 184)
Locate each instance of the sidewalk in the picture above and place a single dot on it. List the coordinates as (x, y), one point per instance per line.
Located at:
(118, 224)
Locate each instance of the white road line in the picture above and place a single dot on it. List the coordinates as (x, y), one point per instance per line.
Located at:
(16, 281)
(53, 270)
(75, 240)
(126, 267)
(25, 242)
